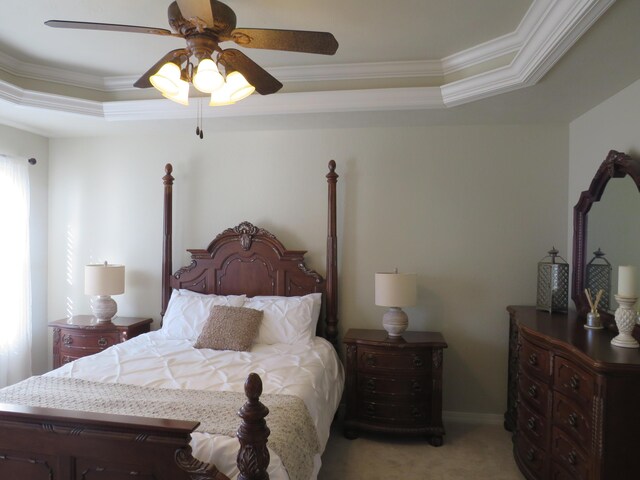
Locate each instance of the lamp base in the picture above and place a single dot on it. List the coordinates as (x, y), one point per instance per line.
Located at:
(395, 321)
(104, 308)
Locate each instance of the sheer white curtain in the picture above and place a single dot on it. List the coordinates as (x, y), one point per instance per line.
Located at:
(15, 277)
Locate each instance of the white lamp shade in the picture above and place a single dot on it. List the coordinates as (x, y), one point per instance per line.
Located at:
(396, 289)
(103, 279)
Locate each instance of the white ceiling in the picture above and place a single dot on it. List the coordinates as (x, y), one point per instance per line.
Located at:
(447, 61)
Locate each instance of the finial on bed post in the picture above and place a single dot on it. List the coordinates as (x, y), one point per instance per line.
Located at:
(331, 332)
(167, 180)
(253, 457)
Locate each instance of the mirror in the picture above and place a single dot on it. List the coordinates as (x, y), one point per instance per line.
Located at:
(614, 229)
(596, 216)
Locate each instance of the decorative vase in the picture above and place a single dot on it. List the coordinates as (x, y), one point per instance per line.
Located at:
(625, 320)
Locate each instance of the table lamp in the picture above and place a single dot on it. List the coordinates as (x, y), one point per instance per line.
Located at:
(395, 290)
(104, 280)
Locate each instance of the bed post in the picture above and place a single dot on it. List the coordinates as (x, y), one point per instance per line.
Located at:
(332, 259)
(253, 456)
(167, 180)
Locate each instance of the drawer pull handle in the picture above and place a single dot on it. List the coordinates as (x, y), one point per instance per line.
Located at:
(573, 420)
(531, 455)
(67, 340)
(370, 384)
(574, 382)
(415, 386)
(533, 359)
(417, 361)
(102, 341)
(531, 423)
(370, 360)
(533, 391)
(572, 458)
(415, 412)
(371, 408)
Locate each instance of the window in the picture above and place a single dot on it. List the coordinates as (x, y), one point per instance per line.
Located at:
(15, 280)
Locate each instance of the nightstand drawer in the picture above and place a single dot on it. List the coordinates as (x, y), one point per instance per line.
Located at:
(378, 360)
(395, 413)
(82, 335)
(397, 386)
(574, 382)
(77, 340)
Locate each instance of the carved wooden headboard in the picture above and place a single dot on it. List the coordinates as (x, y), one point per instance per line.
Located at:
(250, 260)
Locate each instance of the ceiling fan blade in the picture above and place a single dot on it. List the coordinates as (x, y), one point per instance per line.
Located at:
(215, 15)
(288, 40)
(109, 27)
(256, 75)
(196, 9)
(143, 81)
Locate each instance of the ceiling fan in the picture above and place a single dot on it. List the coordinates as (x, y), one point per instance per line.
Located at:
(205, 24)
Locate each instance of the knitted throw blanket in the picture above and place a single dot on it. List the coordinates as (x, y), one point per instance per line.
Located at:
(293, 434)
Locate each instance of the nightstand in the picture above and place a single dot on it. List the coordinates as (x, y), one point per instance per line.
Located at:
(82, 335)
(394, 385)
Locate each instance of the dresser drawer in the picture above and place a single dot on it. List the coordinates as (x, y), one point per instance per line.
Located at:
(531, 457)
(573, 419)
(533, 391)
(414, 387)
(392, 360)
(536, 360)
(569, 456)
(532, 424)
(75, 340)
(574, 382)
(407, 414)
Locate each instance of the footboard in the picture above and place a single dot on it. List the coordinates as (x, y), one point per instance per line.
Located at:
(52, 444)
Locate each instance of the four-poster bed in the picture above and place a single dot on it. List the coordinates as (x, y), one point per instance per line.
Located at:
(61, 443)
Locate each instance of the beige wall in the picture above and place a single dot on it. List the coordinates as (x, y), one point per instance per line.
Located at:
(26, 145)
(470, 209)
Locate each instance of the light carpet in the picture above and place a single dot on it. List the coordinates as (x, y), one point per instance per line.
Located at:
(475, 452)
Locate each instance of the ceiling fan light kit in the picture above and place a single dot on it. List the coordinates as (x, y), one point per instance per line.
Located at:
(204, 25)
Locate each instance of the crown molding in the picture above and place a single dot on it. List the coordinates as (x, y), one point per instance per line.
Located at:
(30, 98)
(546, 32)
(559, 27)
(32, 71)
(382, 99)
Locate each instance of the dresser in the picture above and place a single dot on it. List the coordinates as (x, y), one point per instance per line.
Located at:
(82, 335)
(394, 385)
(574, 399)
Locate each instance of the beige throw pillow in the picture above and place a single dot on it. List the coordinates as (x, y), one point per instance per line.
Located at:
(230, 328)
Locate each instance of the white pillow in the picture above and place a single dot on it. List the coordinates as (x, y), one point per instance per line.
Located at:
(188, 312)
(286, 319)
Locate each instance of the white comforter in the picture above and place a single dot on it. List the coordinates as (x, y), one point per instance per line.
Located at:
(309, 371)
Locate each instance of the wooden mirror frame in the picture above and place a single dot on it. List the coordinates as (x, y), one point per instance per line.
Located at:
(616, 165)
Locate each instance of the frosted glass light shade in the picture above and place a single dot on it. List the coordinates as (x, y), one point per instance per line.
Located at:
(221, 97)
(207, 78)
(239, 86)
(166, 80)
(103, 279)
(396, 289)
(182, 97)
